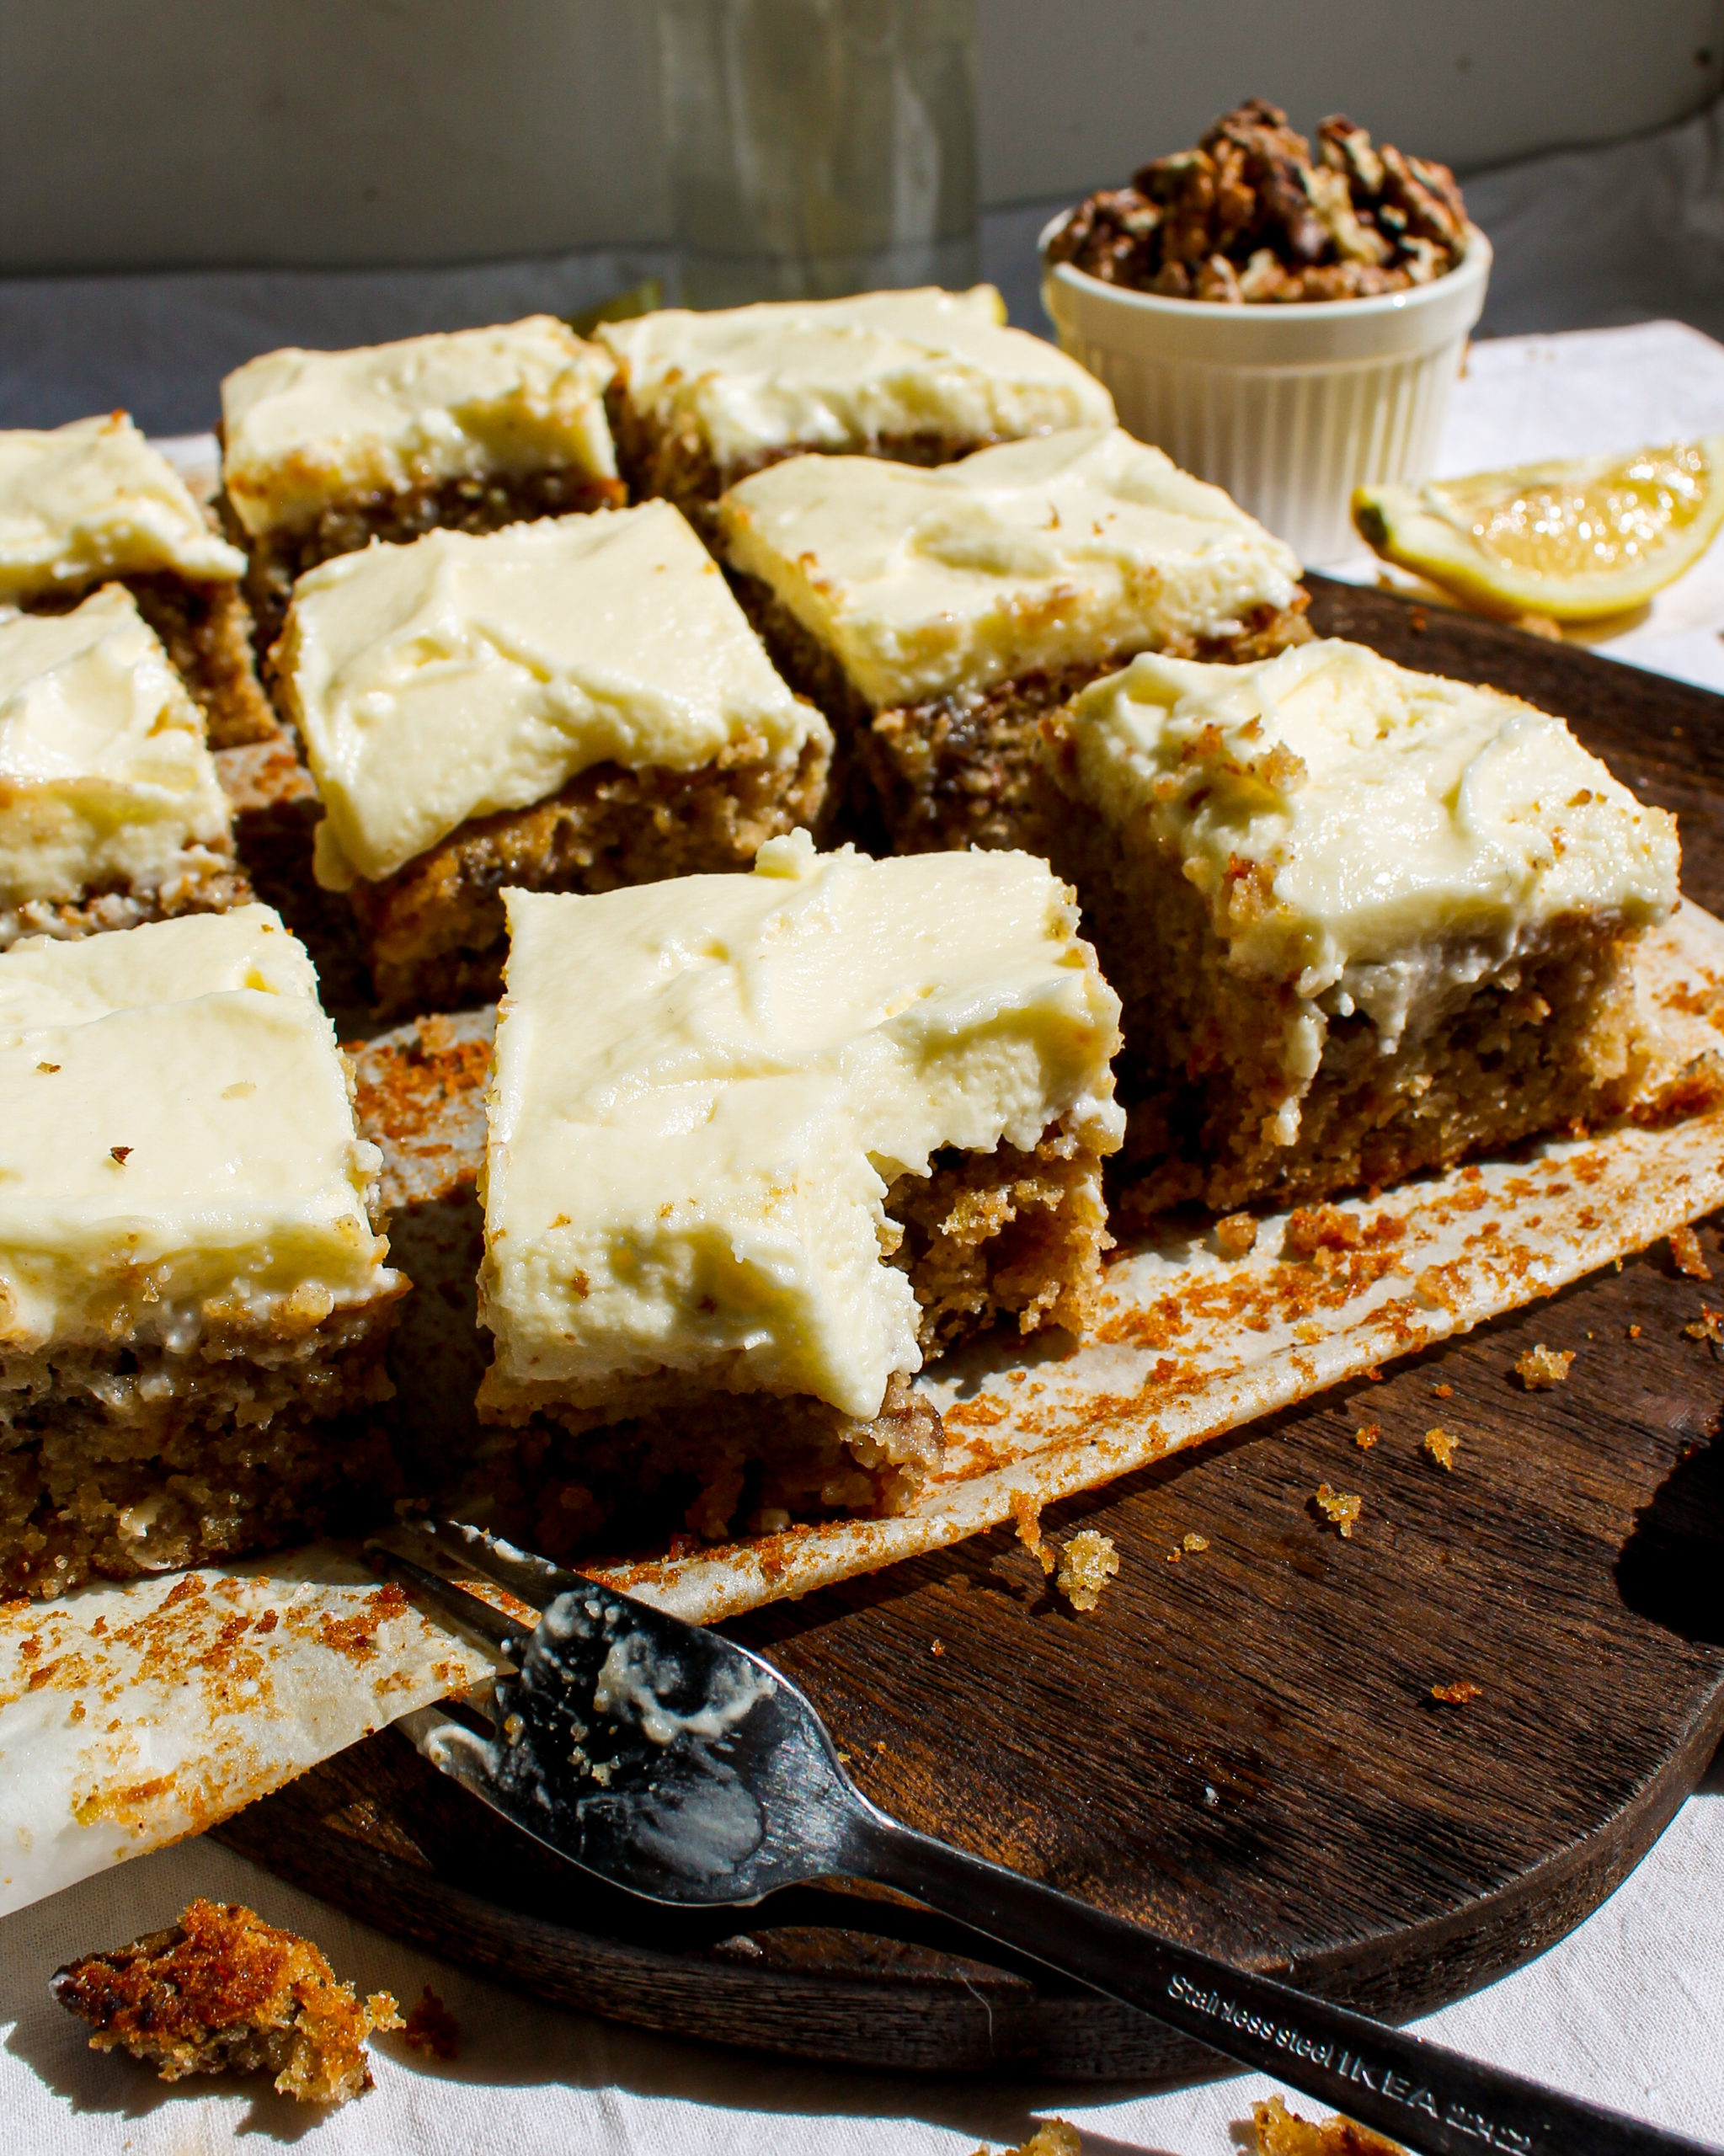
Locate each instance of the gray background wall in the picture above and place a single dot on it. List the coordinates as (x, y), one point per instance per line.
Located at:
(158, 133)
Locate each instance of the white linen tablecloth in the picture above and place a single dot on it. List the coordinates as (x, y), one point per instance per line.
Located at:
(1628, 2010)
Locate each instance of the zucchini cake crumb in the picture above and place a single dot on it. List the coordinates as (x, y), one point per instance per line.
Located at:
(1441, 1447)
(1086, 1564)
(1542, 1366)
(222, 1992)
(1340, 1508)
(1282, 2133)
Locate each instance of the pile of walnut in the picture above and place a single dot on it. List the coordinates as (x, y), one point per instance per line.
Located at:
(1250, 215)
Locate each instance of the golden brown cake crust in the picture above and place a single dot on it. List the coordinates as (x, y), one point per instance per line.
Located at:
(223, 1992)
(434, 932)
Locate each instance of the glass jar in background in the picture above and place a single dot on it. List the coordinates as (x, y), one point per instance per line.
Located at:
(819, 147)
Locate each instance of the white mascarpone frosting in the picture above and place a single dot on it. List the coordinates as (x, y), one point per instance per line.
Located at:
(460, 676)
(703, 1089)
(105, 779)
(1399, 835)
(304, 431)
(1035, 554)
(177, 1143)
(93, 500)
(841, 374)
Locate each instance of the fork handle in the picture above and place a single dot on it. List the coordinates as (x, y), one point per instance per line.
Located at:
(1431, 2099)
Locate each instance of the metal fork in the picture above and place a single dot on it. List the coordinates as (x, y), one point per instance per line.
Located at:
(674, 1763)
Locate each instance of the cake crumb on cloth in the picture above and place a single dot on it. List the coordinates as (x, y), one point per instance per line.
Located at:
(221, 1991)
(1282, 2133)
(1053, 2138)
(430, 2028)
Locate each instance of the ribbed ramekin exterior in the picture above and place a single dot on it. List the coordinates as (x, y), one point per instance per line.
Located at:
(1289, 442)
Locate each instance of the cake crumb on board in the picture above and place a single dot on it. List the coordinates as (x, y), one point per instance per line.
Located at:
(1690, 1259)
(1442, 1447)
(1366, 1437)
(1340, 1509)
(1458, 1694)
(1086, 1564)
(1542, 1366)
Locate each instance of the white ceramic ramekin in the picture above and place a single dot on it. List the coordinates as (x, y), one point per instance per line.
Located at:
(1288, 407)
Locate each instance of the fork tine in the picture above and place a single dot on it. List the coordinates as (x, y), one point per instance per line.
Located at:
(465, 1609)
(533, 1580)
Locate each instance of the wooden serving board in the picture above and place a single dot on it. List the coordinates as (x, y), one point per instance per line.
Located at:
(1241, 1747)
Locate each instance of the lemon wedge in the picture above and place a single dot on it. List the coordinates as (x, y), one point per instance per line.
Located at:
(1574, 541)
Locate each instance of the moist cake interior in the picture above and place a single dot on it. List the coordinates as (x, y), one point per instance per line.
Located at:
(1001, 1238)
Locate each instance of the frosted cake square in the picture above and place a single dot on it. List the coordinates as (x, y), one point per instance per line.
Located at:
(111, 812)
(92, 503)
(569, 705)
(1363, 921)
(935, 615)
(467, 430)
(759, 1148)
(701, 400)
(193, 1296)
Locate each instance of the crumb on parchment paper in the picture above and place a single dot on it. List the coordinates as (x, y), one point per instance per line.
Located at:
(1339, 1508)
(1542, 1366)
(1236, 1235)
(1442, 1447)
(1282, 2133)
(1686, 1249)
(1086, 1564)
